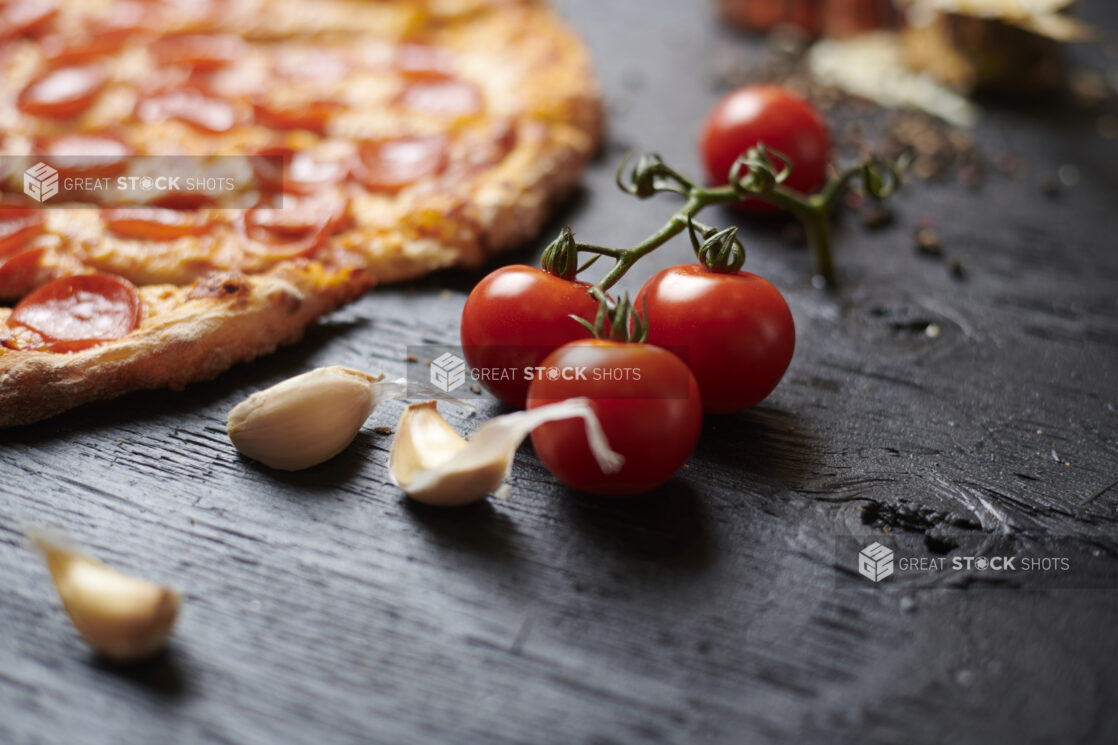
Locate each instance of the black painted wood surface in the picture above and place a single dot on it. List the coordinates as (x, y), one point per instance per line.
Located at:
(322, 607)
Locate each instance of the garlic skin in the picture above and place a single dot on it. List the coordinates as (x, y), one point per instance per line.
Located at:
(435, 465)
(124, 618)
(308, 419)
(425, 443)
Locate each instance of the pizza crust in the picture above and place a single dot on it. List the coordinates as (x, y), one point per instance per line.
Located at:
(552, 107)
(194, 334)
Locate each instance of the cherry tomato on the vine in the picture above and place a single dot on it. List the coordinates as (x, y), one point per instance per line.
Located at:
(514, 318)
(781, 120)
(734, 330)
(648, 404)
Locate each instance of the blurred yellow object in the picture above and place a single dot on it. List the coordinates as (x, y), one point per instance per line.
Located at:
(1007, 46)
(1042, 17)
(873, 66)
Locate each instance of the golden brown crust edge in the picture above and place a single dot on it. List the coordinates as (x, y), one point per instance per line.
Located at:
(507, 206)
(556, 138)
(196, 341)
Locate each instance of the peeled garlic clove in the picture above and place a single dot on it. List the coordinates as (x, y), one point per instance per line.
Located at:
(308, 419)
(124, 618)
(435, 465)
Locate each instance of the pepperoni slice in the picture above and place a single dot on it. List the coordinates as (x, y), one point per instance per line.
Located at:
(19, 272)
(183, 200)
(313, 115)
(206, 113)
(422, 58)
(440, 95)
(488, 148)
(296, 171)
(153, 224)
(298, 228)
(312, 65)
(134, 15)
(104, 36)
(80, 311)
(85, 155)
(61, 51)
(203, 52)
(62, 93)
(201, 13)
(390, 165)
(25, 18)
(18, 225)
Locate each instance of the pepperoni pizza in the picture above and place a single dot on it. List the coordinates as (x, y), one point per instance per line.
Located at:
(389, 138)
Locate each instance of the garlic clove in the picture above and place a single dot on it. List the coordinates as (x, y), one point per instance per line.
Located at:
(435, 465)
(125, 618)
(308, 419)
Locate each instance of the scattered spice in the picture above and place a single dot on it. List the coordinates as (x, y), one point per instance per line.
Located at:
(957, 269)
(927, 243)
(793, 234)
(875, 215)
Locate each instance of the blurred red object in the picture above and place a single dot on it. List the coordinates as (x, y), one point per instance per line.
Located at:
(837, 18)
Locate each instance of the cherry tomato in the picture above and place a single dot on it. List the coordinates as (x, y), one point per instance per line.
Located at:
(514, 318)
(781, 120)
(734, 331)
(646, 400)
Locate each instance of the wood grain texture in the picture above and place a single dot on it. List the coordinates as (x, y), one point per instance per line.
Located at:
(322, 607)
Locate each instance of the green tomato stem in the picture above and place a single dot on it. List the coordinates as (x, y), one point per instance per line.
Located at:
(652, 176)
(811, 211)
